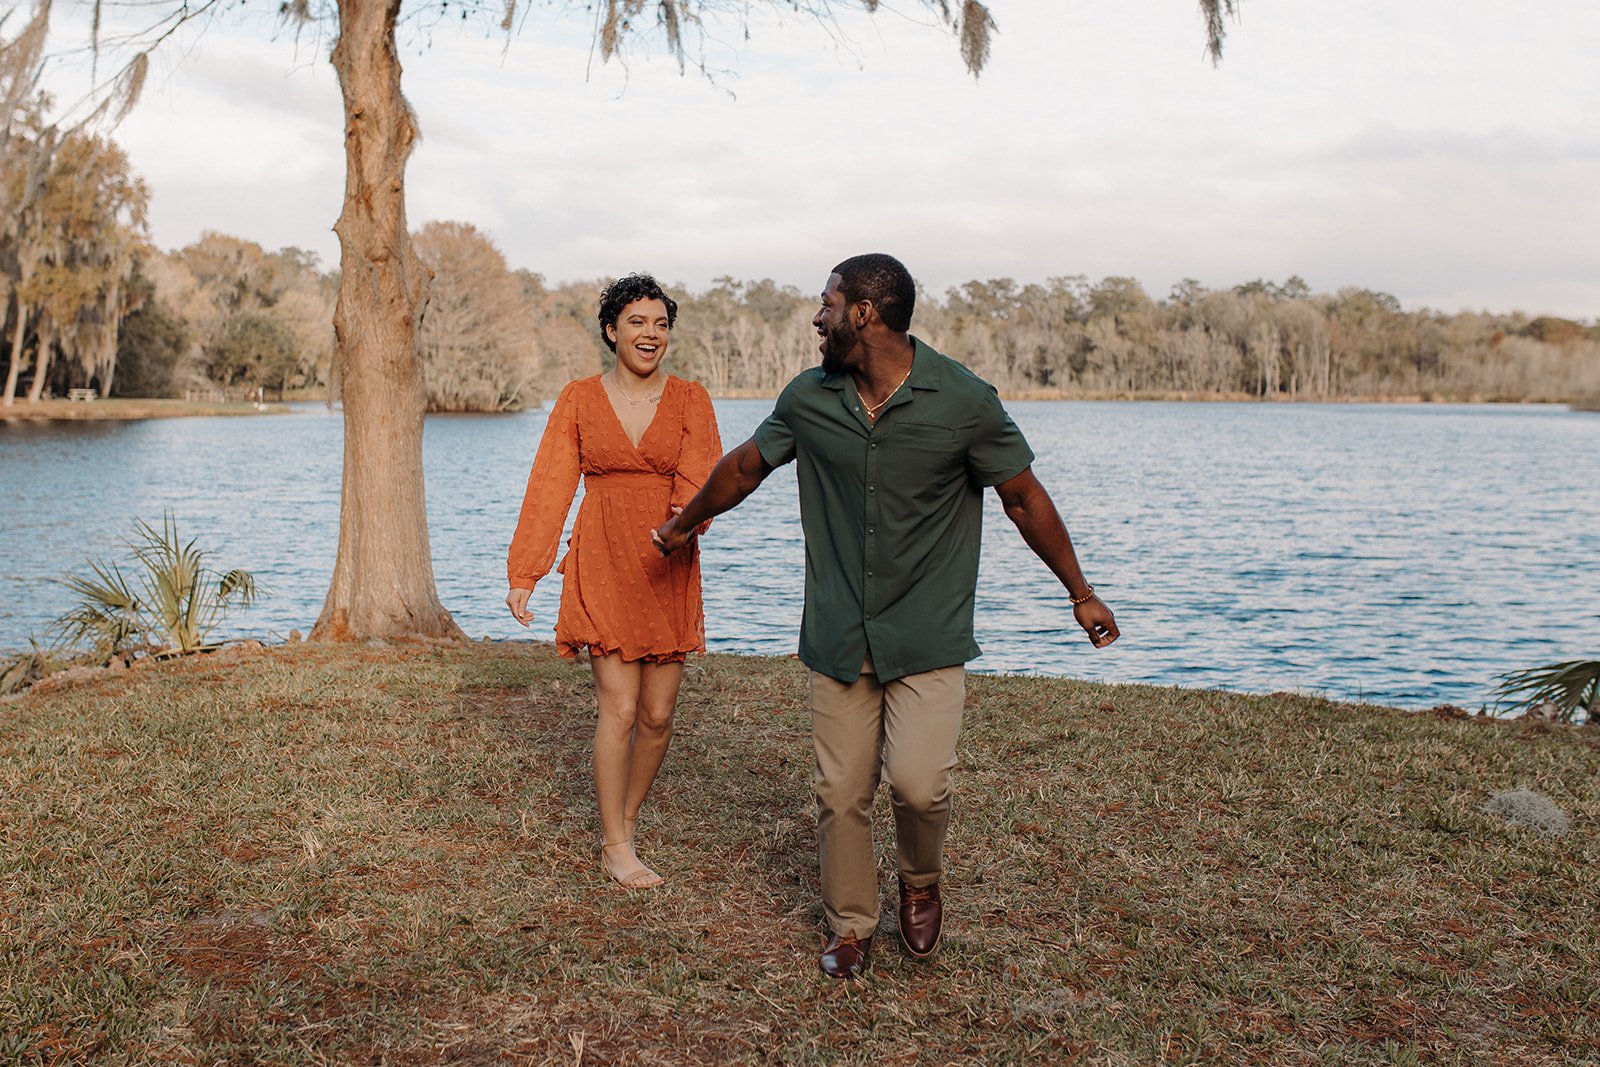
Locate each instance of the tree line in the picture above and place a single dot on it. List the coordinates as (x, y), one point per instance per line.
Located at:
(1073, 337)
(224, 316)
(89, 303)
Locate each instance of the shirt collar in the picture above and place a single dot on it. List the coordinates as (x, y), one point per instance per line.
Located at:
(925, 369)
(925, 366)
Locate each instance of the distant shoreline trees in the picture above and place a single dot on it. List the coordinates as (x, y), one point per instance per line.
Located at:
(74, 224)
(225, 315)
(1258, 339)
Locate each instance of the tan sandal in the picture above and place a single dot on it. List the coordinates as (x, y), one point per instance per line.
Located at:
(641, 877)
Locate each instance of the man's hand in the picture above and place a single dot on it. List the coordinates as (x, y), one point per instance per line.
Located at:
(517, 601)
(672, 535)
(735, 477)
(1097, 622)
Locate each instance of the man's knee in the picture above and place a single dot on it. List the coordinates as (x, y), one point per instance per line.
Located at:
(925, 790)
(844, 797)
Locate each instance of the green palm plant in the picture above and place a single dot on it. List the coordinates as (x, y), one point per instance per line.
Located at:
(170, 607)
(1569, 686)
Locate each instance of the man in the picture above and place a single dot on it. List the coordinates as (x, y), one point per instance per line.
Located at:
(894, 442)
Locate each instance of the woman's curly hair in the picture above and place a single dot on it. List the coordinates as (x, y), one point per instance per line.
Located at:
(624, 291)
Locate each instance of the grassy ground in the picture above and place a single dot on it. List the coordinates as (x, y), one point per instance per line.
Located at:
(363, 855)
(129, 408)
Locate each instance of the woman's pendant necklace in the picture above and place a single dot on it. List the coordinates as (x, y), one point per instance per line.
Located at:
(617, 385)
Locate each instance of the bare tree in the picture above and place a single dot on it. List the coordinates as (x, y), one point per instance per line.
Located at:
(219, 279)
(565, 333)
(477, 340)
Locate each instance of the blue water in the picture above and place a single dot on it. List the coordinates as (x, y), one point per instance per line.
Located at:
(1403, 554)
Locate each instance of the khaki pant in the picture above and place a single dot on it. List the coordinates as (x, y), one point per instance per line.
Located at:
(904, 732)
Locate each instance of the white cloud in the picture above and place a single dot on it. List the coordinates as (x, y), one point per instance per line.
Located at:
(1444, 152)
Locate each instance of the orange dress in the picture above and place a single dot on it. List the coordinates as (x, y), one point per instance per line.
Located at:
(618, 592)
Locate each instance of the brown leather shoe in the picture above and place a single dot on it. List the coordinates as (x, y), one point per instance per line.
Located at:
(921, 919)
(845, 956)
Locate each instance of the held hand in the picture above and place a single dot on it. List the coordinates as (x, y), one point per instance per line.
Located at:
(1097, 621)
(517, 601)
(671, 536)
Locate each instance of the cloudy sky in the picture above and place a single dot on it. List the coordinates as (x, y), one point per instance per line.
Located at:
(1445, 151)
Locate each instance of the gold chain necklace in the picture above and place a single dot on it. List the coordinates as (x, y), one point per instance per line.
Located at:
(617, 385)
(873, 409)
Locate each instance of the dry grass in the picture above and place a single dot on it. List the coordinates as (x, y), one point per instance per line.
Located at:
(365, 855)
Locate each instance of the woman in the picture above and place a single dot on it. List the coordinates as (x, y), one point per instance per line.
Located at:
(644, 442)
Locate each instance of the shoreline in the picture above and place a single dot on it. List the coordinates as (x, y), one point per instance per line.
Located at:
(118, 409)
(127, 409)
(1185, 396)
(227, 646)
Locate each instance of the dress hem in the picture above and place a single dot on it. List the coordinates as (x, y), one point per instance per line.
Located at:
(570, 650)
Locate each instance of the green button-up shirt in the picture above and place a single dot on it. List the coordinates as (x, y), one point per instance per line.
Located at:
(892, 512)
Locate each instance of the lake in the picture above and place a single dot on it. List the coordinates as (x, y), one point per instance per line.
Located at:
(1402, 554)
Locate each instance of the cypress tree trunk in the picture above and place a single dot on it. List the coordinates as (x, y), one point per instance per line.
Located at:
(17, 338)
(383, 577)
(41, 363)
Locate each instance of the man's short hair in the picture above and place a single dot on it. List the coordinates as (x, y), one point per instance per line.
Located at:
(883, 280)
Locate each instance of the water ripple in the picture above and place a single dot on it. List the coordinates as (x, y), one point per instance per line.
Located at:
(1402, 554)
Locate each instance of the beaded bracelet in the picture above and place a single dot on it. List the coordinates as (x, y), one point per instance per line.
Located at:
(1084, 599)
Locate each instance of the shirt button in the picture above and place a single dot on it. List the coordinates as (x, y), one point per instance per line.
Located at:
(869, 574)
(873, 445)
(871, 530)
(872, 489)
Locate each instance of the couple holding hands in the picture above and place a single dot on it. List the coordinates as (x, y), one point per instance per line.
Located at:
(894, 443)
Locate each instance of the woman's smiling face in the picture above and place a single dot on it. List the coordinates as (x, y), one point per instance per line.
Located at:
(641, 334)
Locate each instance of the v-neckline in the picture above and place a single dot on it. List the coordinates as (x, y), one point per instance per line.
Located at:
(605, 395)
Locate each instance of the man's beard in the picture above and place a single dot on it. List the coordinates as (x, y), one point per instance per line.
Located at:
(837, 344)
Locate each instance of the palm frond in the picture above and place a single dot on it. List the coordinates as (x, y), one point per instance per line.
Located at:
(238, 583)
(1569, 686)
(105, 586)
(177, 602)
(173, 573)
(107, 611)
(14, 673)
(106, 632)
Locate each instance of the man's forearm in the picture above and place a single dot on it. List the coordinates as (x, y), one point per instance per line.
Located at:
(1036, 518)
(735, 477)
(1030, 508)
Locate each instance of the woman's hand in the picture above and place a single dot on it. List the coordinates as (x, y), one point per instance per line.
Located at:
(517, 601)
(671, 537)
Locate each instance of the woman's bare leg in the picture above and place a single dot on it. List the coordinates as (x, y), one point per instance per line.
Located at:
(617, 689)
(652, 733)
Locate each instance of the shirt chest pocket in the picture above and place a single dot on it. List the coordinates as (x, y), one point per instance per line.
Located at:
(921, 450)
